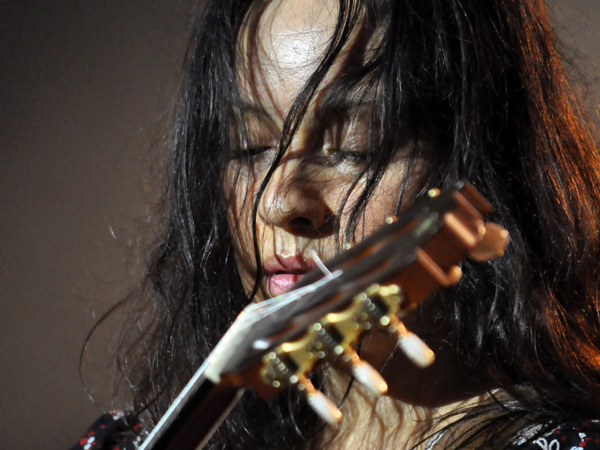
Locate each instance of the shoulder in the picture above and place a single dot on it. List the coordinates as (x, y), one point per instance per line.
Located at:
(570, 436)
(112, 431)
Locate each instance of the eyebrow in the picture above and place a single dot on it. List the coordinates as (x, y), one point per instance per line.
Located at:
(352, 104)
(249, 107)
(347, 107)
(249, 111)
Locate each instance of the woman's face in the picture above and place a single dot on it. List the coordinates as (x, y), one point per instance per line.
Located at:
(321, 174)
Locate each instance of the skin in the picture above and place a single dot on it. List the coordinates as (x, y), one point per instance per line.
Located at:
(303, 198)
(323, 164)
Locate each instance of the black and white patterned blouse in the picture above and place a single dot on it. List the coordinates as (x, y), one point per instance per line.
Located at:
(113, 431)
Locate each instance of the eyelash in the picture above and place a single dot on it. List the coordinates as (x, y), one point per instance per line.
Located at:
(356, 157)
(251, 152)
(335, 156)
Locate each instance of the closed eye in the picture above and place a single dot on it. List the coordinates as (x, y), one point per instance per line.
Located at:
(336, 156)
(251, 152)
(359, 156)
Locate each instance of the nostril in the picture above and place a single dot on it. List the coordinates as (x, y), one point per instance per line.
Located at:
(301, 222)
(297, 208)
(310, 227)
(302, 226)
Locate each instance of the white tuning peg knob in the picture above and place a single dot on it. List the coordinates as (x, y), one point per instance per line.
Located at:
(365, 374)
(319, 402)
(412, 346)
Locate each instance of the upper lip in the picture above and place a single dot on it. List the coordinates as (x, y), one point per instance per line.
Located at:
(288, 264)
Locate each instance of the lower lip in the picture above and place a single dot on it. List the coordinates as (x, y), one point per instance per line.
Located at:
(281, 283)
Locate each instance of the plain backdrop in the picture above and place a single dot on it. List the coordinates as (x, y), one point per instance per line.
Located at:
(85, 87)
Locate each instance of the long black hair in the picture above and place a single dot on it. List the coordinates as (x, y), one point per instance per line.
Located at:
(483, 84)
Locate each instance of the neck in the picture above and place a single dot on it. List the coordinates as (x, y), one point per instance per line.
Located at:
(389, 423)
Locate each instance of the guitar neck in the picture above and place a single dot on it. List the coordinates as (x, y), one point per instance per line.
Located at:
(194, 416)
(277, 342)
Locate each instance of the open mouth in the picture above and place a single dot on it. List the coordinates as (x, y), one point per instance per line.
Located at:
(284, 272)
(282, 282)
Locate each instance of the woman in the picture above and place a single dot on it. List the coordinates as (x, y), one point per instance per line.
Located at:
(301, 125)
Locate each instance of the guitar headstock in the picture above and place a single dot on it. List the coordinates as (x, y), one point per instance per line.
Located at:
(277, 343)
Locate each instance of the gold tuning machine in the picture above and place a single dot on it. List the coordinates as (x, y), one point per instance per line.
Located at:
(333, 337)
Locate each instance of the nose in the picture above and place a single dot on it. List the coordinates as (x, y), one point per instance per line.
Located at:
(296, 204)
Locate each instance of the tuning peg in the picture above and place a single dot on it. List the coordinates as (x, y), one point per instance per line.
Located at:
(319, 402)
(364, 373)
(412, 346)
(492, 244)
(380, 303)
(329, 338)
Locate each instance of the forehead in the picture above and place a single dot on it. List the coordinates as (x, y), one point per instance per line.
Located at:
(280, 46)
(294, 34)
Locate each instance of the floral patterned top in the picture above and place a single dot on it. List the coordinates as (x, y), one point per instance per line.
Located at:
(112, 432)
(569, 436)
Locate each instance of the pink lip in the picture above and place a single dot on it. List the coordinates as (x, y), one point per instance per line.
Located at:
(282, 282)
(282, 273)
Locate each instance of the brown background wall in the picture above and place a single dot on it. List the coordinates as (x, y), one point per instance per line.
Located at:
(83, 87)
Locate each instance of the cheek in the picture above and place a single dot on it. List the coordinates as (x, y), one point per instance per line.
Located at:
(239, 217)
(388, 192)
(240, 226)
(240, 194)
(383, 202)
(382, 205)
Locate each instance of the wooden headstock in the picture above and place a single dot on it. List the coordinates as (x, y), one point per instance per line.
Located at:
(276, 343)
